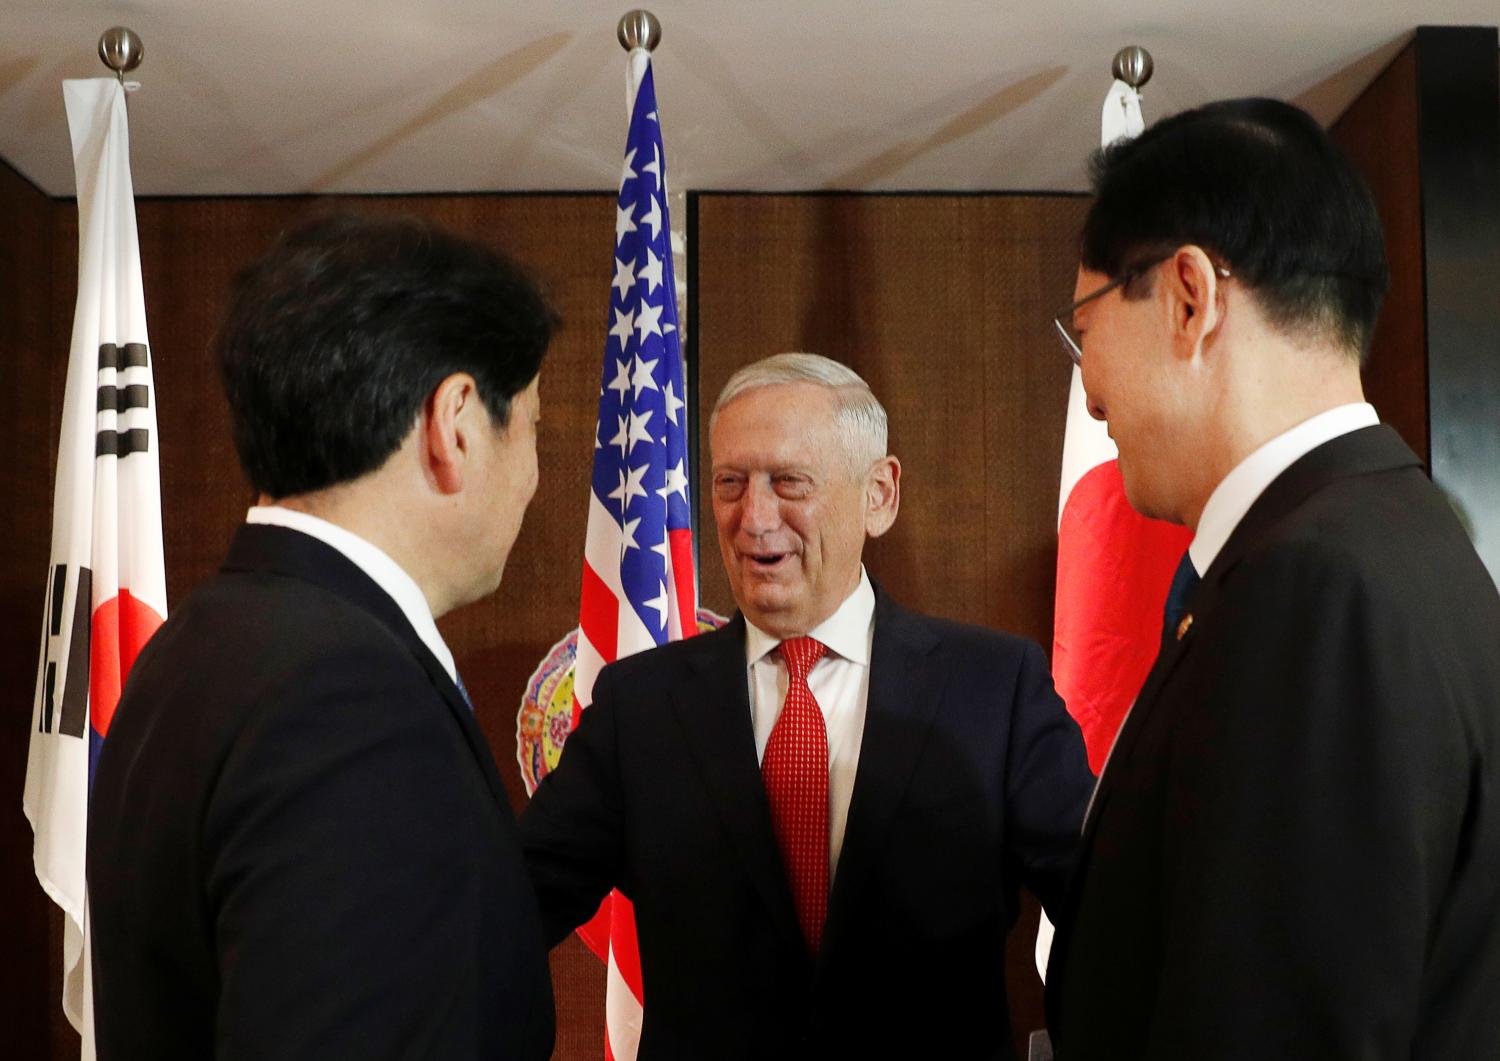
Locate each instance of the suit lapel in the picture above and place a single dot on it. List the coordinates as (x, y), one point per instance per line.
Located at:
(463, 714)
(714, 711)
(906, 688)
(262, 548)
(1170, 654)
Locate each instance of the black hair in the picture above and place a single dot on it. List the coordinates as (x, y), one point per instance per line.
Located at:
(338, 335)
(1263, 190)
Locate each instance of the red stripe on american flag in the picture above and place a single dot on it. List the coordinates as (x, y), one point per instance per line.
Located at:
(599, 621)
(595, 931)
(627, 950)
(599, 614)
(681, 544)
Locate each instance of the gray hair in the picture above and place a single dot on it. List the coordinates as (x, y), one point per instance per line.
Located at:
(858, 415)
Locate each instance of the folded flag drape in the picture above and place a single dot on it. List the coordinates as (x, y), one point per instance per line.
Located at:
(106, 584)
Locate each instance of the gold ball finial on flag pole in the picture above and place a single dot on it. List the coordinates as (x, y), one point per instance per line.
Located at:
(639, 29)
(121, 50)
(1133, 66)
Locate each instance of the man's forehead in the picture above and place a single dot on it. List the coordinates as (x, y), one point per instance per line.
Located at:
(767, 450)
(790, 409)
(772, 441)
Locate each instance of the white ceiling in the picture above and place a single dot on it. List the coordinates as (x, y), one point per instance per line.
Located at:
(268, 96)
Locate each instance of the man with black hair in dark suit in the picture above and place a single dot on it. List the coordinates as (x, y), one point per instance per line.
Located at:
(1294, 849)
(299, 845)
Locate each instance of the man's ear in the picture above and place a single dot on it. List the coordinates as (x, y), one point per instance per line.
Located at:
(445, 432)
(1193, 299)
(882, 496)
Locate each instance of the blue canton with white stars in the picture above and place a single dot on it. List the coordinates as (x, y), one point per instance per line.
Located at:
(640, 444)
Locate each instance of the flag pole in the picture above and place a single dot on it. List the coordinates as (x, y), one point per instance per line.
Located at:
(1087, 448)
(639, 32)
(105, 566)
(618, 615)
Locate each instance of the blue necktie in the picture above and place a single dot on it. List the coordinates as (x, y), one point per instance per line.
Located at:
(463, 690)
(1183, 582)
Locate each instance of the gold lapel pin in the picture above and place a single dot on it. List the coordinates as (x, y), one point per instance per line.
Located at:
(1184, 626)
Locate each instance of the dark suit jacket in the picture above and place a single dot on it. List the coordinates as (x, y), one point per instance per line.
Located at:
(299, 846)
(971, 778)
(1295, 847)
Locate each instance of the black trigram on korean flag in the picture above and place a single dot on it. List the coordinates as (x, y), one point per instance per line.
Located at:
(65, 698)
(121, 399)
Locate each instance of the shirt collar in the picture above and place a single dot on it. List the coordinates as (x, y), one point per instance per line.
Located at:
(846, 632)
(374, 562)
(1239, 489)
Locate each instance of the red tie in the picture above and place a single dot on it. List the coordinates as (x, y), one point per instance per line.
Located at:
(795, 769)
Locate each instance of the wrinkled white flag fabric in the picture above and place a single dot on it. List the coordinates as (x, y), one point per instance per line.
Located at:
(106, 584)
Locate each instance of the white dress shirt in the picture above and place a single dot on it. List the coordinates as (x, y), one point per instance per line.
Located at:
(840, 682)
(1240, 489)
(383, 571)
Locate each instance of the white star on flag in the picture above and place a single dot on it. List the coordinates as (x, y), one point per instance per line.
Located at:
(676, 483)
(627, 532)
(630, 486)
(625, 277)
(654, 166)
(627, 174)
(643, 380)
(673, 402)
(622, 327)
(650, 272)
(622, 437)
(638, 432)
(648, 320)
(621, 382)
(663, 549)
(653, 218)
(624, 223)
(659, 603)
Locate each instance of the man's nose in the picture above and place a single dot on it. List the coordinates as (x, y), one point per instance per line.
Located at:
(761, 512)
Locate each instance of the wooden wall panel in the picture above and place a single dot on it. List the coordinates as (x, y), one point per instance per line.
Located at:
(1426, 134)
(1458, 127)
(943, 303)
(30, 962)
(1379, 133)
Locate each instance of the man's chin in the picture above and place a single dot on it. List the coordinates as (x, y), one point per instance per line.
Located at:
(1147, 505)
(770, 610)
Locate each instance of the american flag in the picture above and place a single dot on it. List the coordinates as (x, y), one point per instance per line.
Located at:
(639, 589)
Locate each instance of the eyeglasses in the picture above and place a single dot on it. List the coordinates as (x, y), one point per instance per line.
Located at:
(1068, 332)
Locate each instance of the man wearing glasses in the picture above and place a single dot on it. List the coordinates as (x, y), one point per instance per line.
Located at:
(1294, 849)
